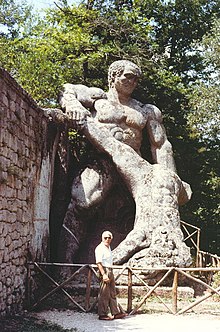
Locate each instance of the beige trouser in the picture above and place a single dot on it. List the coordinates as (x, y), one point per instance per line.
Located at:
(107, 295)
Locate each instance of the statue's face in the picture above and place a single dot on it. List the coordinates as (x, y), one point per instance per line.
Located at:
(126, 82)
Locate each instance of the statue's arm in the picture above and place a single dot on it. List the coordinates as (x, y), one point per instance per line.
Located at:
(71, 105)
(161, 148)
(77, 100)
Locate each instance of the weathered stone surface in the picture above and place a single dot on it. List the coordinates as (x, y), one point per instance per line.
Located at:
(114, 127)
(156, 238)
(24, 146)
(29, 144)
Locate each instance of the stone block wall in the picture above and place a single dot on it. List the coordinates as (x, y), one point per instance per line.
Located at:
(28, 143)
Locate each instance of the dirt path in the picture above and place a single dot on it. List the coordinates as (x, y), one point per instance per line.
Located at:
(88, 322)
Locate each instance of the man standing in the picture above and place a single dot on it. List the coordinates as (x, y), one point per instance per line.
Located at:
(107, 293)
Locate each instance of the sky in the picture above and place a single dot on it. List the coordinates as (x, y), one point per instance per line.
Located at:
(44, 4)
(40, 5)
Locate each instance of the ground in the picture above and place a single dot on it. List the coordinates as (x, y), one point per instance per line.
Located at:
(69, 320)
(204, 317)
(88, 322)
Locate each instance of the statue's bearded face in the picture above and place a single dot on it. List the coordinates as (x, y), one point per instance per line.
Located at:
(126, 81)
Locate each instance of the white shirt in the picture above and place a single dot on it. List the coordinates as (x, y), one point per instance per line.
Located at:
(103, 255)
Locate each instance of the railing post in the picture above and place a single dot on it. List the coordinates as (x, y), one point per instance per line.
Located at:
(129, 306)
(174, 291)
(88, 289)
(197, 249)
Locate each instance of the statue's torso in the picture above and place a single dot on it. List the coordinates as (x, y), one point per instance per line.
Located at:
(125, 122)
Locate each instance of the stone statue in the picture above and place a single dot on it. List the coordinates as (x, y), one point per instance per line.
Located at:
(113, 122)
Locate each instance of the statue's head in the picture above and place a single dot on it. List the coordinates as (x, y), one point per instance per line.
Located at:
(118, 67)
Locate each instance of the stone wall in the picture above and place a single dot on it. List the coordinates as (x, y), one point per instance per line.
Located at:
(28, 142)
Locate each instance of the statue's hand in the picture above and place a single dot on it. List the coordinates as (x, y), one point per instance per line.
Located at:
(78, 117)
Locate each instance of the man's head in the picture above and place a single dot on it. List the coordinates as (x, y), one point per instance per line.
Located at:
(107, 238)
(118, 67)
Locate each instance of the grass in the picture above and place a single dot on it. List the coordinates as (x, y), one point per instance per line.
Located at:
(29, 324)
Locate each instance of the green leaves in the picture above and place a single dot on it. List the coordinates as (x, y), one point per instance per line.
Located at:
(204, 119)
(176, 43)
(13, 15)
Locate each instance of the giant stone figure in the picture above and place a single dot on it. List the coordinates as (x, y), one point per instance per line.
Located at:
(113, 122)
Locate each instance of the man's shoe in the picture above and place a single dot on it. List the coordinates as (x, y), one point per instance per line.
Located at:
(106, 318)
(121, 315)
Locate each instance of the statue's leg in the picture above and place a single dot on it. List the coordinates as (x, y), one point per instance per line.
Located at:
(154, 189)
(134, 241)
(89, 189)
(157, 224)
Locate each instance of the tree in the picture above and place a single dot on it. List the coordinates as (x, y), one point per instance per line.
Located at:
(71, 44)
(13, 15)
(205, 99)
(204, 123)
(76, 44)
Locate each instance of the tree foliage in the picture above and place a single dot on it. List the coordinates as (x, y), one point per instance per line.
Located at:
(205, 98)
(204, 124)
(77, 43)
(13, 16)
